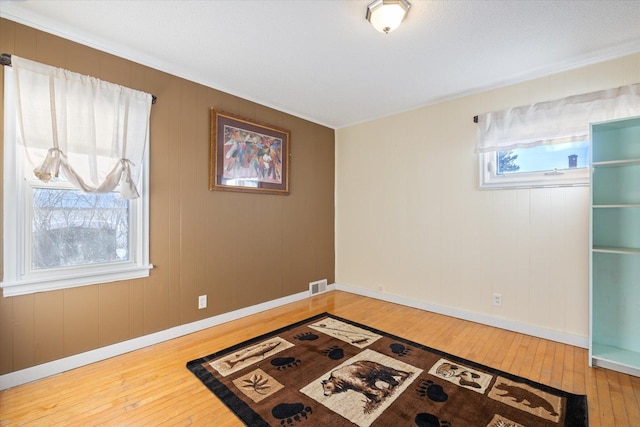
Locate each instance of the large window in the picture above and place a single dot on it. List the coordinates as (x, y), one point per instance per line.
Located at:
(542, 166)
(57, 235)
(70, 228)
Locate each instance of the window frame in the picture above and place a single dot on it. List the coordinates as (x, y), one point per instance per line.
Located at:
(18, 279)
(490, 180)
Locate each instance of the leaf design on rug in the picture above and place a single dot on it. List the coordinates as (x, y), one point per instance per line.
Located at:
(257, 383)
(502, 423)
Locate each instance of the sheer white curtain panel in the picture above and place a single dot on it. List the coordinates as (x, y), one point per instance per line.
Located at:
(554, 122)
(93, 131)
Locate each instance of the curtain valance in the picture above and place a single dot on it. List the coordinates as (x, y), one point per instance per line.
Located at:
(554, 122)
(95, 132)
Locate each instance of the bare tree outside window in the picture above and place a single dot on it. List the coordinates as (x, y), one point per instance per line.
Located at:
(507, 162)
(71, 228)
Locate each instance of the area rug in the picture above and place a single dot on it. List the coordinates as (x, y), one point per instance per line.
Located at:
(330, 371)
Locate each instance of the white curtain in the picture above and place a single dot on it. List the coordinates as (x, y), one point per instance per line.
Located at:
(93, 131)
(554, 122)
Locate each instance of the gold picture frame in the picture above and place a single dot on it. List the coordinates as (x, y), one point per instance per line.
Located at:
(247, 155)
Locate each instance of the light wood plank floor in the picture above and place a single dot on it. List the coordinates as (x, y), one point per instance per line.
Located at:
(152, 386)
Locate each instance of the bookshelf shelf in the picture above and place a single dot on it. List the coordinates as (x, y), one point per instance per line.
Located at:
(615, 246)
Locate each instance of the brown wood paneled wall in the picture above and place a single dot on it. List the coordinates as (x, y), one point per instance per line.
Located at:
(239, 249)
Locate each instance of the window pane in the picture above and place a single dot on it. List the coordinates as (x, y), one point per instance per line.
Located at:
(571, 155)
(72, 228)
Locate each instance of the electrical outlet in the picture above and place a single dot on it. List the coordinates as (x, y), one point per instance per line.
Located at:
(497, 300)
(202, 302)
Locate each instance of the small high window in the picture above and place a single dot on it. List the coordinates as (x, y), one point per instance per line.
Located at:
(547, 144)
(541, 166)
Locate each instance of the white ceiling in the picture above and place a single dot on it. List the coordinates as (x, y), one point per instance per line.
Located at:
(322, 61)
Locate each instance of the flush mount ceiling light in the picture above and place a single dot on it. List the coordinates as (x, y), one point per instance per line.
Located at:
(386, 15)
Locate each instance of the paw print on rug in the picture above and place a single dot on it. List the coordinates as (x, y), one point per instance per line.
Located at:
(334, 353)
(399, 349)
(306, 336)
(432, 391)
(291, 413)
(283, 363)
(430, 420)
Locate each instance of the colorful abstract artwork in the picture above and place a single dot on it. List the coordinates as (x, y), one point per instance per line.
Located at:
(247, 155)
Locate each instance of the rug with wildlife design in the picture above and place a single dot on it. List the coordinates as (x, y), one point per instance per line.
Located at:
(330, 371)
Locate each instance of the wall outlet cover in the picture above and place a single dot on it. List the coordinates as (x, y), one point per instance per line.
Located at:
(497, 300)
(202, 302)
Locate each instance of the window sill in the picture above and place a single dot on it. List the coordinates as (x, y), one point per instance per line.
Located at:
(505, 184)
(565, 178)
(33, 285)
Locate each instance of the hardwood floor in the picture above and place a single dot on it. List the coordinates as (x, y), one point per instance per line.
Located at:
(152, 386)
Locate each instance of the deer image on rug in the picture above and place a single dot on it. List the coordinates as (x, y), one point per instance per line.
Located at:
(374, 380)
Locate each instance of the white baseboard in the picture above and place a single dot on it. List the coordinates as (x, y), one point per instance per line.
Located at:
(509, 325)
(65, 364)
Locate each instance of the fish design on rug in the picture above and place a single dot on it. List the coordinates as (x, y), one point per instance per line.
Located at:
(520, 395)
(251, 352)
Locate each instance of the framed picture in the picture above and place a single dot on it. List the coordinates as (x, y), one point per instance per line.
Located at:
(247, 155)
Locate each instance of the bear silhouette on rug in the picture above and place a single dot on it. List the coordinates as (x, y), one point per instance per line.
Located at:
(362, 376)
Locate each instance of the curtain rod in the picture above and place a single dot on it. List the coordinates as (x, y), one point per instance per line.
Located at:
(5, 59)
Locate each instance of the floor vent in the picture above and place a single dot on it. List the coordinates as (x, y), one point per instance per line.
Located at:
(318, 287)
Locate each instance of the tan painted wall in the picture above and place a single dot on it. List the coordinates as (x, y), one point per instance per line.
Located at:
(410, 217)
(240, 249)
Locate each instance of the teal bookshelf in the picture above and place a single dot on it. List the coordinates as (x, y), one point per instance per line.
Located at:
(614, 332)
